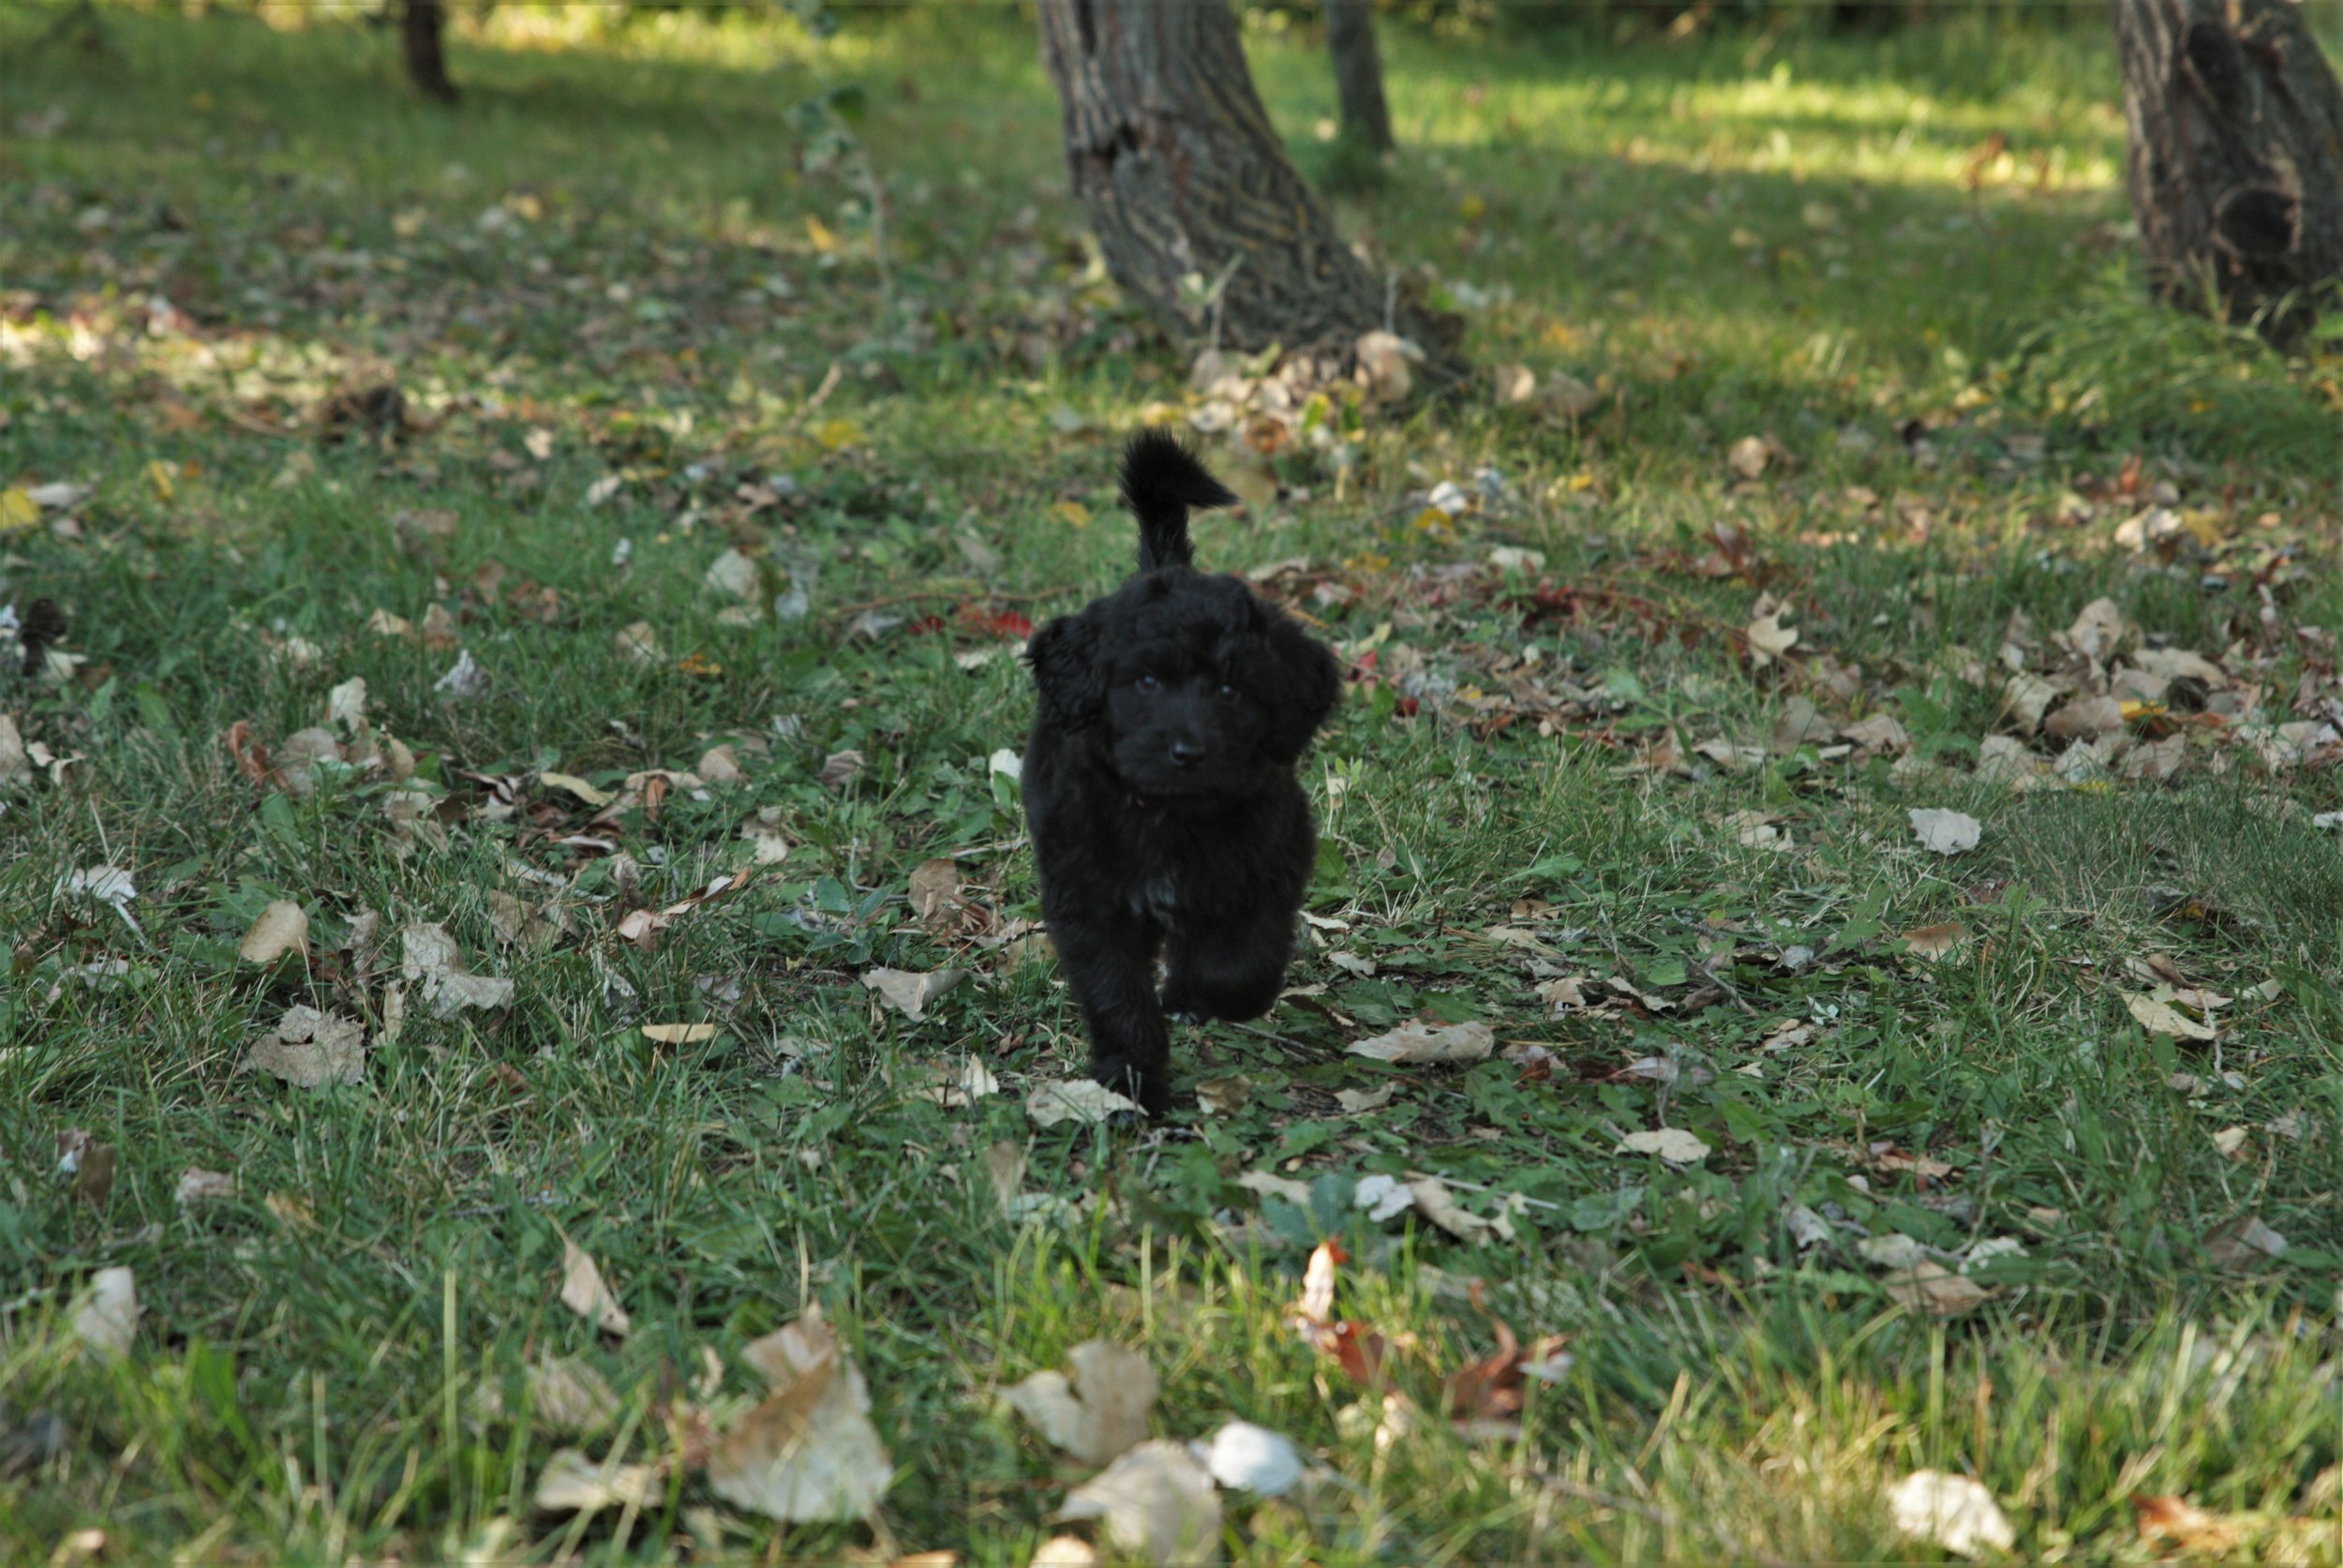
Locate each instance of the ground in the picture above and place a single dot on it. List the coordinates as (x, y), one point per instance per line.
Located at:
(692, 553)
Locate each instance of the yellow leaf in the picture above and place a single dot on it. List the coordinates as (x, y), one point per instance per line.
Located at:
(1072, 513)
(2133, 712)
(1474, 208)
(837, 434)
(825, 239)
(159, 472)
(18, 509)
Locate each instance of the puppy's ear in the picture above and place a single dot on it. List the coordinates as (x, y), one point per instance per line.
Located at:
(1064, 659)
(1304, 683)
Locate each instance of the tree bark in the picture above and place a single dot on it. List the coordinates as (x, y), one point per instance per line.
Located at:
(1358, 73)
(2235, 157)
(1185, 178)
(422, 32)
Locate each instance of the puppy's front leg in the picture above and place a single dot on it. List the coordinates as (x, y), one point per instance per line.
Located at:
(1111, 963)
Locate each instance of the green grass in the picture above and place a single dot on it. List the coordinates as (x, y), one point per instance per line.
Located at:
(602, 266)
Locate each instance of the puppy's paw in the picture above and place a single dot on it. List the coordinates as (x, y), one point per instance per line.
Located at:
(1150, 1091)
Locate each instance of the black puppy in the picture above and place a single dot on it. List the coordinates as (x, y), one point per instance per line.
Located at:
(1160, 784)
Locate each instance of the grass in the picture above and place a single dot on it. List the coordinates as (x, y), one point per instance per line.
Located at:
(601, 268)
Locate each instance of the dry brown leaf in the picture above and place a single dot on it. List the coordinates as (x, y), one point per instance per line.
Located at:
(1223, 1096)
(2244, 1240)
(680, 1034)
(808, 1451)
(2161, 1018)
(567, 1394)
(1004, 1171)
(1750, 456)
(1950, 1511)
(584, 1292)
(107, 1319)
(909, 991)
(2084, 718)
(1156, 1502)
(1081, 1100)
(1435, 1202)
(1418, 1042)
(839, 768)
(199, 1185)
(1935, 941)
(282, 927)
(1947, 832)
(1768, 639)
(934, 889)
(1671, 1143)
(1931, 1288)
(2182, 1524)
(309, 1049)
(430, 957)
(1270, 1185)
(573, 1483)
(1100, 1411)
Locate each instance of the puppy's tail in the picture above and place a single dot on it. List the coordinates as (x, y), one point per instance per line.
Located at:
(1161, 480)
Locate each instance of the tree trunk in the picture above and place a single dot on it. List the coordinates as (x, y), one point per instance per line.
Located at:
(1358, 73)
(422, 32)
(2235, 159)
(1184, 180)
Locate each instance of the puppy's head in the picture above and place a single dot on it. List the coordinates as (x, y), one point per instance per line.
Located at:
(1189, 686)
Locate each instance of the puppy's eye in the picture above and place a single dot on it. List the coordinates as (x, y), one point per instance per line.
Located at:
(1149, 683)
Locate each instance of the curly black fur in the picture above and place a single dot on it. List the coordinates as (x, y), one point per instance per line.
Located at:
(1160, 784)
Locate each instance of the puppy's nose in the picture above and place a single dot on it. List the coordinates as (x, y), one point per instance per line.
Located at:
(1186, 754)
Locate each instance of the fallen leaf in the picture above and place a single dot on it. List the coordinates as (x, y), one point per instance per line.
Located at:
(1065, 1551)
(1768, 639)
(839, 768)
(1931, 1288)
(1004, 1171)
(1223, 1096)
(1880, 732)
(1157, 1502)
(1417, 1041)
(1079, 1100)
(573, 1483)
(282, 927)
(2084, 718)
(567, 1394)
(584, 1293)
(1382, 1197)
(2162, 1018)
(107, 1320)
(680, 1034)
(1950, 1511)
(1100, 1411)
(1384, 359)
(909, 992)
(2185, 1525)
(430, 957)
(110, 885)
(637, 643)
(1433, 1202)
(1935, 941)
(577, 786)
(1947, 832)
(807, 1453)
(199, 1185)
(2231, 1142)
(309, 1049)
(1671, 1143)
(1253, 1458)
(2244, 1240)
(465, 680)
(1356, 1100)
(1270, 1185)
(1750, 456)
(15, 763)
(732, 575)
(934, 889)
